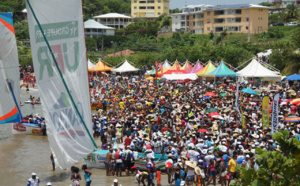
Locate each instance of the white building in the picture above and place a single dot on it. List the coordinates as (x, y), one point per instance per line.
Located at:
(95, 29)
(181, 20)
(114, 20)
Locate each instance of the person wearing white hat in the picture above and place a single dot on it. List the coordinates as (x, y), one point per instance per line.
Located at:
(116, 183)
(34, 180)
(48, 184)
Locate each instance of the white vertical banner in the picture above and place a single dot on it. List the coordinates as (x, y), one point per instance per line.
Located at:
(238, 102)
(68, 121)
(274, 125)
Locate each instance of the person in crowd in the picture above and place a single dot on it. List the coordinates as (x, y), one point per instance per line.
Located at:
(87, 175)
(34, 180)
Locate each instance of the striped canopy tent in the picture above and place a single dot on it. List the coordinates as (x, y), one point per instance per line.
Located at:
(100, 67)
(176, 66)
(222, 71)
(196, 68)
(187, 66)
(207, 69)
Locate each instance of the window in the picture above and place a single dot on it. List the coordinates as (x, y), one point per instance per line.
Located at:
(175, 17)
(247, 11)
(208, 13)
(158, 7)
(246, 27)
(247, 19)
(142, 7)
(135, 7)
(208, 29)
(194, 16)
(208, 21)
(150, 7)
(135, 1)
(158, 13)
(150, 1)
(159, 1)
(194, 23)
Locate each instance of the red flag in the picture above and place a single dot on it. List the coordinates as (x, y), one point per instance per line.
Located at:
(160, 66)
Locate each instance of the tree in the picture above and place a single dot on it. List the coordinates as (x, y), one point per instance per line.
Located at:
(280, 167)
(106, 10)
(266, 4)
(292, 11)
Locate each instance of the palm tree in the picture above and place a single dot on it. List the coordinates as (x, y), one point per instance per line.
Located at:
(292, 11)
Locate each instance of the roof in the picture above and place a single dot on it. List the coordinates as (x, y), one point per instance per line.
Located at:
(196, 68)
(237, 6)
(100, 67)
(197, 6)
(126, 67)
(126, 52)
(207, 69)
(113, 15)
(94, 24)
(222, 71)
(255, 69)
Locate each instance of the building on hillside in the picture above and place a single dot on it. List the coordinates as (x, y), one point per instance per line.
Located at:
(284, 3)
(181, 21)
(114, 20)
(240, 18)
(95, 29)
(149, 8)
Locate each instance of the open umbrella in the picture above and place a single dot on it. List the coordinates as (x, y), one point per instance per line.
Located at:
(296, 101)
(256, 100)
(249, 91)
(213, 114)
(206, 97)
(168, 107)
(223, 84)
(292, 119)
(291, 91)
(210, 94)
(218, 117)
(202, 130)
(223, 94)
(211, 110)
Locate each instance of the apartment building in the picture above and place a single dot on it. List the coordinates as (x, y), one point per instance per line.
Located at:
(242, 18)
(149, 8)
(284, 3)
(114, 20)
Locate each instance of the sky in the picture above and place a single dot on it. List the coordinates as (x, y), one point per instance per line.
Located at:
(181, 3)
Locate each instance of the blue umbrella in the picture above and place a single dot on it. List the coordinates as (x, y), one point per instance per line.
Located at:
(294, 77)
(249, 91)
(206, 97)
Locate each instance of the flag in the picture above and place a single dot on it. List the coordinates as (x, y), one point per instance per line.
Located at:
(274, 126)
(265, 112)
(238, 103)
(160, 66)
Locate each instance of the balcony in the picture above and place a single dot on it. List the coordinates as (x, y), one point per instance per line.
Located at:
(219, 12)
(234, 12)
(219, 21)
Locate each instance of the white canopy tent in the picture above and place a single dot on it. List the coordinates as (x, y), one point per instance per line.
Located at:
(255, 69)
(90, 64)
(268, 53)
(126, 67)
(180, 76)
(166, 65)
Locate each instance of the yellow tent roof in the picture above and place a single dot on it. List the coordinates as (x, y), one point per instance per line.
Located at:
(176, 66)
(100, 67)
(207, 69)
(164, 70)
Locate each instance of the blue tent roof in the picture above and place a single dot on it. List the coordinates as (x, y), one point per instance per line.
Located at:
(294, 77)
(222, 71)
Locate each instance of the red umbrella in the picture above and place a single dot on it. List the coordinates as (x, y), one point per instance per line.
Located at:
(210, 94)
(202, 130)
(213, 114)
(223, 84)
(148, 146)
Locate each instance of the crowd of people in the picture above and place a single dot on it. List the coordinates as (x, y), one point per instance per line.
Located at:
(195, 124)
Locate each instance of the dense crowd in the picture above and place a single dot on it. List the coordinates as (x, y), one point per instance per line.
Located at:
(194, 123)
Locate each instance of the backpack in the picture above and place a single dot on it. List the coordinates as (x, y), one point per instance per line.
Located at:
(118, 155)
(128, 156)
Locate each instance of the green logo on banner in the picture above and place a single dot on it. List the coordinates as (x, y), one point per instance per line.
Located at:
(57, 31)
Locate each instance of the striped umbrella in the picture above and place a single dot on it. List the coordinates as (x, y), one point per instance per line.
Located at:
(292, 119)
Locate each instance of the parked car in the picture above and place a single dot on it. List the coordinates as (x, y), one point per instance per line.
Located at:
(292, 24)
(278, 24)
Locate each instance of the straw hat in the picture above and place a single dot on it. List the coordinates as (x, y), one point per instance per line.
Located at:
(191, 164)
(255, 135)
(169, 155)
(118, 125)
(198, 170)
